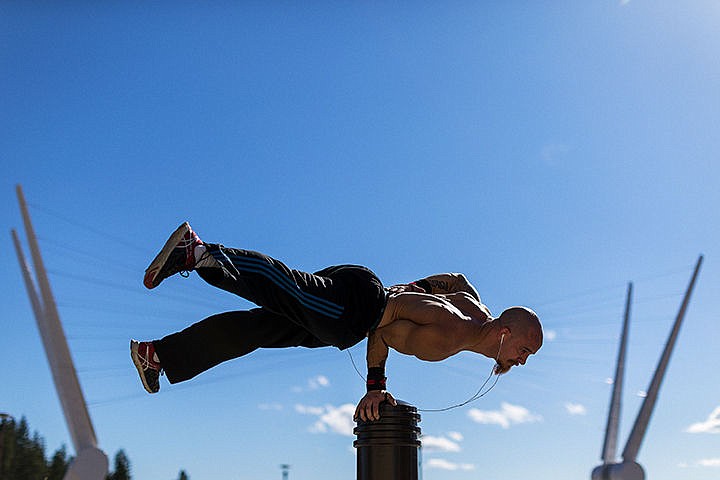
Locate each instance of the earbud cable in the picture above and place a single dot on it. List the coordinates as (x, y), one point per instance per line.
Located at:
(474, 397)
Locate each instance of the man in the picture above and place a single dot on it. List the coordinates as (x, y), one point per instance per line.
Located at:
(432, 319)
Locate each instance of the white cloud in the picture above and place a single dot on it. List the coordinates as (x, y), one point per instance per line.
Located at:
(506, 416)
(270, 406)
(319, 381)
(624, 2)
(304, 409)
(575, 408)
(549, 335)
(457, 436)
(705, 462)
(711, 425)
(330, 418)
(445, 465)
(439, 444)
(641, 393)
(314, 383)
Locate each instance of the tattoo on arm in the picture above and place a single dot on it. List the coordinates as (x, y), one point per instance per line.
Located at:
(441, 285)
(451, 283)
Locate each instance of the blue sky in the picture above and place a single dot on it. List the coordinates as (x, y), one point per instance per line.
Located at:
(552, 152)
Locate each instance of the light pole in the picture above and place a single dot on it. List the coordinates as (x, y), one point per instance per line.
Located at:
(285, 469)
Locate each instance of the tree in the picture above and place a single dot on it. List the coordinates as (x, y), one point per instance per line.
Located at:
(26, 456)
(58, 465)
(22, 457)
(183, 475)
(7, 443)
(122, 467)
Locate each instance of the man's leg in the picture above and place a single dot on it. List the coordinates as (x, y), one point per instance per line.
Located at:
(271, 284)
(216, 339)
(313, 302)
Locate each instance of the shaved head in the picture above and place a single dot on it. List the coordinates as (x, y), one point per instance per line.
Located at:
(523, 320)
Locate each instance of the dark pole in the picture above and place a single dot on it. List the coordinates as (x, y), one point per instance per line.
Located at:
(388, 449)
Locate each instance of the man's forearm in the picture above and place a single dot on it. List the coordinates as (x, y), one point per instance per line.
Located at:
(447, 283)
(368, 408)
(377, 353)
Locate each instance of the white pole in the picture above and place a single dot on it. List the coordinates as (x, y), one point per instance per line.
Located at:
(641, 422)
(90, 462)
(611, 432)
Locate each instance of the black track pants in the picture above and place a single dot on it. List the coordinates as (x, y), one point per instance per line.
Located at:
(336, 306)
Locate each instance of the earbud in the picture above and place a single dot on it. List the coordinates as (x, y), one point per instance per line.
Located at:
(502, 337)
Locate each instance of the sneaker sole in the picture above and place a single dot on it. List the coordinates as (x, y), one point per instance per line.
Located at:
(135, 355)
(154, 268)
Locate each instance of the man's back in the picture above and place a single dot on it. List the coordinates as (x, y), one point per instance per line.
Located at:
(432, 327)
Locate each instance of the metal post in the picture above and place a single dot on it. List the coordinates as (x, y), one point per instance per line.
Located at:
(611, 431)
(90, 463)
(632, 447)
(389, 449)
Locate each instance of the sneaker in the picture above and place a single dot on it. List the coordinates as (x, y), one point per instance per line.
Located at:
(142, 354)
(176, 256)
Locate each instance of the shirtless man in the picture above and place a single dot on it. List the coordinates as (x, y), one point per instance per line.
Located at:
(432, 319)
(437, 317)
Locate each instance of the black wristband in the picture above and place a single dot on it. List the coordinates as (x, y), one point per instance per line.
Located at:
(376, 379)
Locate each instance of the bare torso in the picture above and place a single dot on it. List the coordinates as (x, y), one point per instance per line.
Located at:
(432, 327)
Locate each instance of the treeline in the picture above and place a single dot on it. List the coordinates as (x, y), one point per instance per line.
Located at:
(22, 456)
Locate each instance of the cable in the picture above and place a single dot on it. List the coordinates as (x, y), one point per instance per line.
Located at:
(95, 231)
(476, 396)
(355, 366)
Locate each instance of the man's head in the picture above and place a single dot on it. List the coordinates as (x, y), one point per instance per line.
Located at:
(519, 335)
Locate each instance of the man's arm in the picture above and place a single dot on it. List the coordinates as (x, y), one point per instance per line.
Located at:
(377, 351)
(369, 407)
(447, 283)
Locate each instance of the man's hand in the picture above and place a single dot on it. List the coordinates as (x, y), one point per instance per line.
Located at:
(368, 410)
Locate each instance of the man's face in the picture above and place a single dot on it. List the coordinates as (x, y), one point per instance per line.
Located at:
(516, 350)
